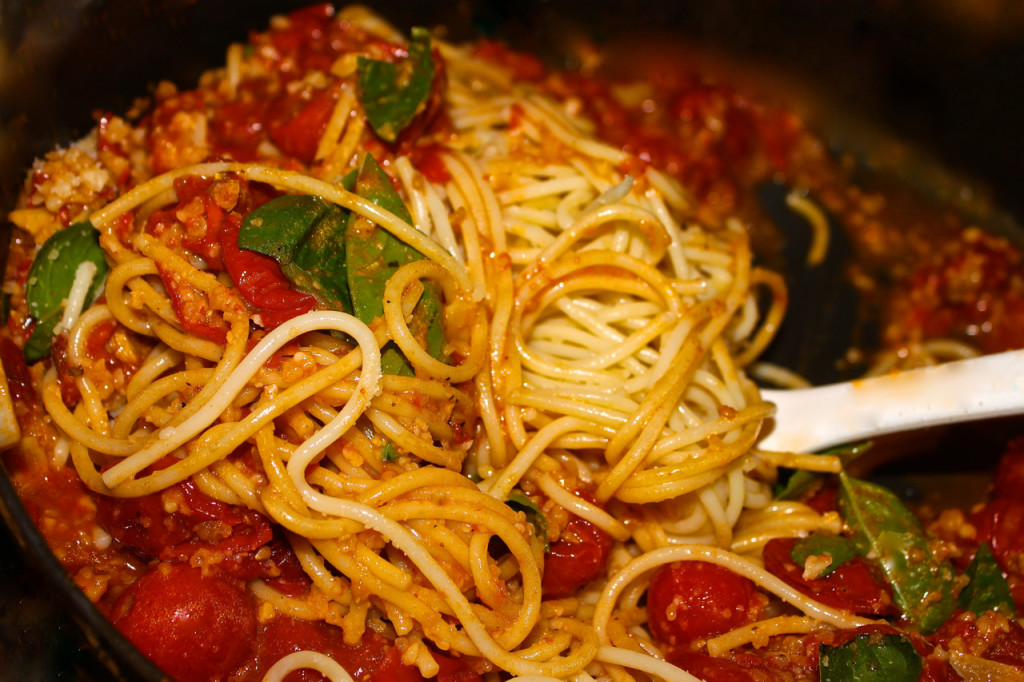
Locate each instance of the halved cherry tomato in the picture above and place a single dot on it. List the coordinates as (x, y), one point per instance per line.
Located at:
(195, 524)
(296, 124)
(284, 635)
(192, 626)
(710, 668)
(578, 557)
(989, 636)
(693, 600)
(1001, 524)
(852, 586)
(192, 308)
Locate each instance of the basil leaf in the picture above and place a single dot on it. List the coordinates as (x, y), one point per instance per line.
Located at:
(389, 454)
(987, 589)
(801, 482)
(51, 276)
(305, 235)
(373, 255)
(39, 343)
(888, 532)
(870, 657)
(520, 502)
(393, 93)
(840, 550)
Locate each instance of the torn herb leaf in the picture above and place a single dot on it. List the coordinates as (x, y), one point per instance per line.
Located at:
(52, 275)
(888, 532)
(519, 501)
(987, 589)
(800, 482)
(840, 550)
(373, 255)
(392, 94)
(305, 235)
(870, 658)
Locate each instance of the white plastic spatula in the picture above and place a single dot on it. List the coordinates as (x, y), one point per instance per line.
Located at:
(811, 419)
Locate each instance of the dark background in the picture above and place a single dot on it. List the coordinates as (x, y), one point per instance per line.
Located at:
(945, 77)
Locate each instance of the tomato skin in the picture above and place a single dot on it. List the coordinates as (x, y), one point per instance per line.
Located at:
(579, 556)
(852, 586)
(453, 670)
(391, 669)
(198, 525)
(693, 600)
(190, 307)
(1000, 523)
(296, 125)
(988, 636)
(260, 281)
(191, 626)
(284, 635)
(709, 668)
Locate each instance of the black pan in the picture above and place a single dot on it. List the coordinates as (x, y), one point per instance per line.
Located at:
(937, 76)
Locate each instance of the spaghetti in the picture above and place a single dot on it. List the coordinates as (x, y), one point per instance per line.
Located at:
(468, 446)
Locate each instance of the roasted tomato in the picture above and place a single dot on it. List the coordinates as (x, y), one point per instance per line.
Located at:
(853, 586)
(260, 281)
(690, 601)
(579, 556)
(193, 626)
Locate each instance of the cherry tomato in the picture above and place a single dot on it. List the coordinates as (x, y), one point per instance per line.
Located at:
(142, 523)
(852, 586)
(192, 626)
(579, 556)
(19, 378)
(236, 128)
(259, 279)
(195, 524)
(453, 670)
(297, 124)
(191, 308)
(1000, 523)
(694, 600)
(710, 668)
(284, 635)
(391, 669)
(994, 638)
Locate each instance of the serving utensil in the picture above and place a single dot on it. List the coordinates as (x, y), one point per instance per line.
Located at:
(812, 419)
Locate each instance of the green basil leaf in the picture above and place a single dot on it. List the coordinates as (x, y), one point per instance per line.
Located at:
(389, 454)
(373, 255)
(39, 343)
(520, 502)
(870, 658)
(51, 276)
(305, 235)
(987, 589)
(393, 93)
(837, 547)
(889, 533)
(801, 482)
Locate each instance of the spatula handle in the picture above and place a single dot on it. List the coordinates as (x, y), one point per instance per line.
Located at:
(809, 420)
